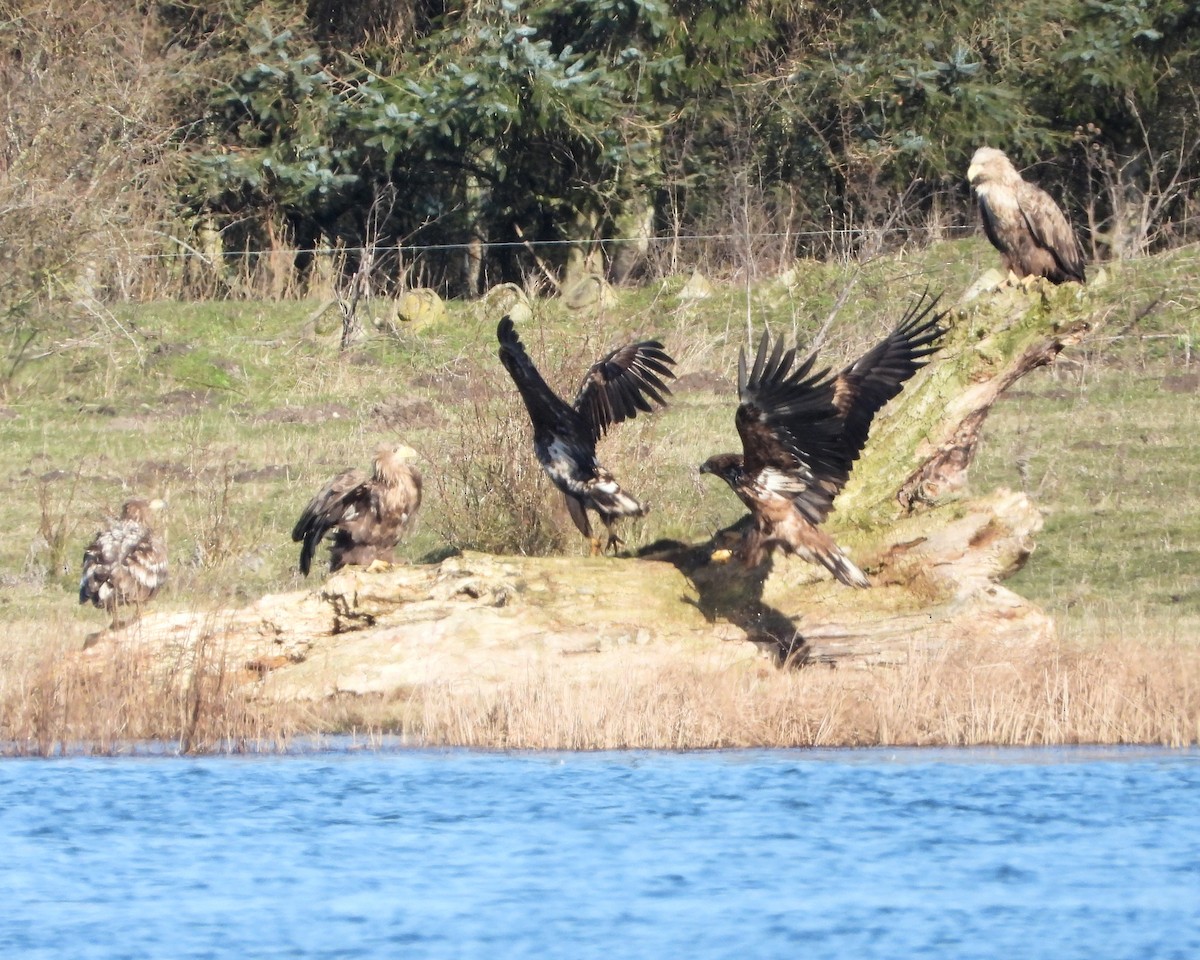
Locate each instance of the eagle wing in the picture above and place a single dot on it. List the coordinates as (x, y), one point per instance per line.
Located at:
(1051, 228)
(625, 381)
(343, 499)
(862, 389)
(790, 429)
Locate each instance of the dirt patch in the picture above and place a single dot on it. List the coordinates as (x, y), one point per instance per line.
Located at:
(171, 349)
(453, 385)
(272, 471)
(403, 416)
(153, 472)
(317, 414)
(1184, 383)
(182, 402)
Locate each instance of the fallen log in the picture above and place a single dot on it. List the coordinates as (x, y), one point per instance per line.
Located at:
(936, 558)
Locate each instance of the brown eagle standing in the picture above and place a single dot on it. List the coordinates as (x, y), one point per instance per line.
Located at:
(367, 514)
(564, 437)
(1023, 222)
(801, 433)
(126, 564)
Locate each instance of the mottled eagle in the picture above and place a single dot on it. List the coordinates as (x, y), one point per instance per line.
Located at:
(801, 432)
(367, 513)
(616, 388)
(1023, 222)
(126, 564)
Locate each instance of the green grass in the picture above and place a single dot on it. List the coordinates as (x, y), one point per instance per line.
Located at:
(235, 413)
(1110, 456)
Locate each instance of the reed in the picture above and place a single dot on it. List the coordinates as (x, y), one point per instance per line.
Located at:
(1113, 688)
(59, 701)
(1112, 691)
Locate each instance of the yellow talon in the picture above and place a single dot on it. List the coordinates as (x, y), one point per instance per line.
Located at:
(378, 566)
(721, 556)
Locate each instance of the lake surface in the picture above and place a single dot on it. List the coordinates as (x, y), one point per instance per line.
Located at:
(849, 854)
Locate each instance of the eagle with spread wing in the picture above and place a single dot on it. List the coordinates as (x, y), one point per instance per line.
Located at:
(126, 564)
(1023, 222)
(802, 430)
(367, 513)
(615, 388)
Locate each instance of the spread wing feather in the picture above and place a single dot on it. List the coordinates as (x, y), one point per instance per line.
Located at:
(862, 389)
(630, 379)
(342, 498)
(790, 428)
(802, 429)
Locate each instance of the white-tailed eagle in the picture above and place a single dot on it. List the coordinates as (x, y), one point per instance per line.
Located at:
(616, 388)
(801, 433)
(126, 564)
(367, 513)
(1023, 222)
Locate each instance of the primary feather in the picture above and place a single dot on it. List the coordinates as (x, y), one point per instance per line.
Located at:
(802, 429)
(629, 380)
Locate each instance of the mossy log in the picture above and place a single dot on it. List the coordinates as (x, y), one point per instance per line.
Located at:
(935, 556)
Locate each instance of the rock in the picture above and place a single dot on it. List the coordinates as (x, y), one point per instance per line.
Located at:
(419, 309)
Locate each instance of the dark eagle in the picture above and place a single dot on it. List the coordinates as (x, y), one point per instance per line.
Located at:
(368, 514)
(126, 564)
(1023, 222)
(628, 380)
(801, 433)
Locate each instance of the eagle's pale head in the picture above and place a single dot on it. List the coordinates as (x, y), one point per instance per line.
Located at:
(391, 460)
(989, 166)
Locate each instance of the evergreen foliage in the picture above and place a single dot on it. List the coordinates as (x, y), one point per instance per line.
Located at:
(283, 123)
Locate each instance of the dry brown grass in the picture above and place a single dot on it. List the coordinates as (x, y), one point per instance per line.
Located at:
(60, 701)
(1116, 690)
(1114, 687)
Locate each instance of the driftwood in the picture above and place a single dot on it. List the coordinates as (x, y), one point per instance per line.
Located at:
(936, 559)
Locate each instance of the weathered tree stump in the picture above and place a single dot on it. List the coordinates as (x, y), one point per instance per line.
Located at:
(936, 559)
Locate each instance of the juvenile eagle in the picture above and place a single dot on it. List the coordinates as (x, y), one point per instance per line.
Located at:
(126, 564)
(801, 433)
(1023, 222)
(616, 387)
(368, 514)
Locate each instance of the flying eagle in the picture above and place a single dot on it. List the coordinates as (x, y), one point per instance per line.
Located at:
(126, 564)
(1023, 221)
(368, 514)
(801, 433)
(616, 387)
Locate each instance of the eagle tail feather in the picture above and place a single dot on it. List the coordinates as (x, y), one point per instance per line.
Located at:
(842, 567)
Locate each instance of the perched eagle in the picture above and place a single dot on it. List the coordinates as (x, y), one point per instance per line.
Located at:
(1023, 221)
(126, 564)
(616, 387)
(368, 514)
(801, 433)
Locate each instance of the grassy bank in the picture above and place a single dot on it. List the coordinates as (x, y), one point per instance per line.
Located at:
(236, 413)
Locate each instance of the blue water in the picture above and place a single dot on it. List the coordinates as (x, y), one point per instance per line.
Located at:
(849, 854)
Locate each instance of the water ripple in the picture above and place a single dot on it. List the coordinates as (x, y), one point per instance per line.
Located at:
(871, 853)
